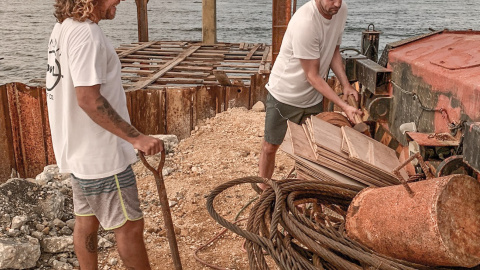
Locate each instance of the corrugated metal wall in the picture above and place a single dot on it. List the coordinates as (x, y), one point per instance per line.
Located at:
(25, 141)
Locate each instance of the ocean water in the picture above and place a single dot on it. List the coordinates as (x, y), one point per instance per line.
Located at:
(25, 25)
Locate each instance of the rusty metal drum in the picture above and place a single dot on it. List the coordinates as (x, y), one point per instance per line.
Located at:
(438, 226)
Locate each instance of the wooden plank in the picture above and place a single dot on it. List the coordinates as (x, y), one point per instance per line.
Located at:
(222, 77)
(372, 153)
(328, 138)
(179, 111)
(167, 67)
(312, 170)
(135, 49)
(301, 145)
(252, 51)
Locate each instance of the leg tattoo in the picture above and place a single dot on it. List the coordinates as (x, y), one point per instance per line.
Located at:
(91, 243)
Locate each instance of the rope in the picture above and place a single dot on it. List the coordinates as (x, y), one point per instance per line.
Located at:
(309, 239)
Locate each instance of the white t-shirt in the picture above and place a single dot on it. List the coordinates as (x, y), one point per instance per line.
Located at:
(309, 36)
(79, 54)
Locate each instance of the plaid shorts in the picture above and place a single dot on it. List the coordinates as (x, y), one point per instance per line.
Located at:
(113, 200)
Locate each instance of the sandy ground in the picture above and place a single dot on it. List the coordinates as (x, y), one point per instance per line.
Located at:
(223, 148)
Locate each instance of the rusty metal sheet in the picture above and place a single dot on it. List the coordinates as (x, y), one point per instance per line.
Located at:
(205, 103)
(179, 111)
(26, 107)
(433, 139)
(220, 98)
(471, 145)
(451, 86)
(258, 92)
(282, 13)
(147, 110)
(237, 96)
(6, 142)
(373, 76)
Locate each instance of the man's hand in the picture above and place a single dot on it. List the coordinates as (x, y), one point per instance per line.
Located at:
(349, 90)
(147, 144)
(350, 111)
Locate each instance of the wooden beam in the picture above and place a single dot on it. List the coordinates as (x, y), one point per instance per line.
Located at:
(209, 17)
(135, 49)
(252, 51)
(167, 67)
(142, 20)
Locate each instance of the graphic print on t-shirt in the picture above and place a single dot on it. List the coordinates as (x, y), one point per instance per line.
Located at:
(54, 70)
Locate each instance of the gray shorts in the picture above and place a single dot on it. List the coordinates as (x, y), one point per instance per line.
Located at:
(278, 113)
(113, 200)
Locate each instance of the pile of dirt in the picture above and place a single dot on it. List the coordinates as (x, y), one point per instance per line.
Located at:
(221, 149)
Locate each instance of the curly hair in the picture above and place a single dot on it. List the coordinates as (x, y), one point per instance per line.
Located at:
(79, 10)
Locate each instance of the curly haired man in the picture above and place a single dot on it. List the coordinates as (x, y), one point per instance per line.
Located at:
(91, 132)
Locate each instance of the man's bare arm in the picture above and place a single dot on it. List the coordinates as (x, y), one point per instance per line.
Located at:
(101, 112)
(339, 69)
(311, 67)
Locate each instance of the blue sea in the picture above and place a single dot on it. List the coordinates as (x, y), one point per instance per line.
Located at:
(25, 25)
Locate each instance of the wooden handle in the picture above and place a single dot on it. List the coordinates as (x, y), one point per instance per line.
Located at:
(352, 102)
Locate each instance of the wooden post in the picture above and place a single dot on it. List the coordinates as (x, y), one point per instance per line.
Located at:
(209, 17)
(142, 20)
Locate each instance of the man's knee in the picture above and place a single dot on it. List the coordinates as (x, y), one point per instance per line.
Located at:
(132, 228)
(269, 149)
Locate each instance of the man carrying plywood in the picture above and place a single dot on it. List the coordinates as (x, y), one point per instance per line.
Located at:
(297, 86)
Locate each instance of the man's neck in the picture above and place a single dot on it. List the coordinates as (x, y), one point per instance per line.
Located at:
(322, 10)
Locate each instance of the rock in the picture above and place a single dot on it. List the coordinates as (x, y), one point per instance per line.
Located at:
(19, 254)
(66, 231)
(258, 107)
(59, 223)
(170, 142)
(71, 223)
(5, 219)
(104, 243)
(13, 233)
(59, 265)
(57, 244)
(172, 203)
(45, 177)
(53, 205)
(39, 227)
(18, 222)
(167, 171)
(113, 261)
(46, 230)
(38, 235)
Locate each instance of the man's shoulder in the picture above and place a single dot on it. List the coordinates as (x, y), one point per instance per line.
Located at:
(79, 32)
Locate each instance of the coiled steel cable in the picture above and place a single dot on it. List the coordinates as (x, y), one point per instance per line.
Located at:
(295, 240)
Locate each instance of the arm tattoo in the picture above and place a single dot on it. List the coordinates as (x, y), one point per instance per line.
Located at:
(104, 108)
(91, 243)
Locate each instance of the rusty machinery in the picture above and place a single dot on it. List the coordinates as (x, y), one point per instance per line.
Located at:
(423, 96)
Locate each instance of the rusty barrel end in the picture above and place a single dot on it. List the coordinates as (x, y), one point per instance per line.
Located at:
(438, 226)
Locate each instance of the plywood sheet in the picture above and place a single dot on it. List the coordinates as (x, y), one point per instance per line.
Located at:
(370, 152)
